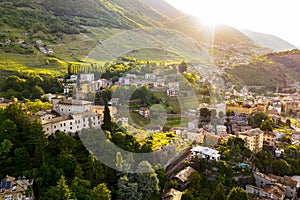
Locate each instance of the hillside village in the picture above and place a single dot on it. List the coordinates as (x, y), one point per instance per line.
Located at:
(193, 111)
(263, 123)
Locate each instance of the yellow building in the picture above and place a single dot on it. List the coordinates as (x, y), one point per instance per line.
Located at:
(254, 139)
(240, 109)
(261, 108)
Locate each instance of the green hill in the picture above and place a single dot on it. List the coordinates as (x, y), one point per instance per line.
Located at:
(272, 70)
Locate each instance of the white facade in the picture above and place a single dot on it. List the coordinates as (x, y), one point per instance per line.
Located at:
(72, 123)
(67, 107)
(206, 152)
(221, 129)
(87, 77)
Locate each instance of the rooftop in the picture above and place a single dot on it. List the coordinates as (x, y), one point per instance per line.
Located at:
(252, 132)
(184, 174)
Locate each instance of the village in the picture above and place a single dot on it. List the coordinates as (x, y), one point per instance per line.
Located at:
(262, 123)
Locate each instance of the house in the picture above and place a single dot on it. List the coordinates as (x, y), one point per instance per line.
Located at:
(288, 184)
(45, 115)
(131, 76)
(72, 124)
(87, 77)
(220, 129)
(269, 138)
(171, 194)
(253, 139)
(145, 112)
(273, 192)
(183, 177)
(16, 188)
(72, 116)
(159, 84)
(235, 128)
(206, 152)
(69, 106)
(260, 107)
(240, 109)
(150, 76)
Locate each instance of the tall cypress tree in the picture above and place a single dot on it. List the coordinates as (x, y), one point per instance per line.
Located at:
(107, 123)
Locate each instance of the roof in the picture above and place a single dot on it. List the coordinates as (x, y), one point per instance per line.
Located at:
(205, 150)
(10, 185)
(57, 120)
(252, 132)
(184, 174)
(286, 180)
(75, 102)
(171, 194)
(275, 190)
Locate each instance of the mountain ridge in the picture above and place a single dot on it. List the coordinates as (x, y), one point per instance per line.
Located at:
(269, 41)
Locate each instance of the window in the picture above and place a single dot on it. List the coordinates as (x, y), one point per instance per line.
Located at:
(71, 123)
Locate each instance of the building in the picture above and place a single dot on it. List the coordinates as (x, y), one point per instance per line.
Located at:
(286, 183)
(253, 138)
(183, 177)
(240, 109)
(87, 77)
(145, 112)
(19, 189)
(69, 106)
(269, 138)
(71, 116)
(261, 108)
(205, 152)
(267, 192)
(72, 123)
(171, 194)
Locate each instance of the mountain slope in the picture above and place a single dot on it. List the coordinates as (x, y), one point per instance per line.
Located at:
(269, 41)
(272, 70)
(164, 8)
(193, 27)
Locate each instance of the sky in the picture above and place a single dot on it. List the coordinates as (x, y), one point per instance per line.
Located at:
(276, 17)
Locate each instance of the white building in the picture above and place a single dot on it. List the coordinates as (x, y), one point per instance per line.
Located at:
(206, 152)
(71, 123)
(87, 77)
(74, 115)
(221, 129)
(69, 106)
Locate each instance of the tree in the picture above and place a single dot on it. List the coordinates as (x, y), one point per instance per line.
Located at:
(182, 67)
(5, 148)
(237, 193)
(101, 192)
(147, 180)
(21, 157)
(107, 123)
(126, 189)
(221, 114)
(63, 191)
(205, 112)
(281, 168)
(80, 187)
(256, 120)
(267, 125)
(195, 182)
(219, 193)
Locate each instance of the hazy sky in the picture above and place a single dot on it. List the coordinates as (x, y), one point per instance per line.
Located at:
(277, 17)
